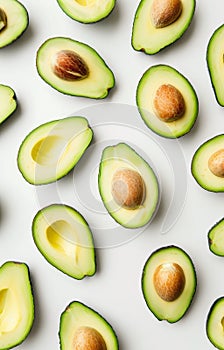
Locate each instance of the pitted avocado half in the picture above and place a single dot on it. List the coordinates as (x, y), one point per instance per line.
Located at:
(8, 102)
(216, 238)
(214, 324)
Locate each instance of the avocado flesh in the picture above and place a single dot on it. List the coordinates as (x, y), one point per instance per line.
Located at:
(214, 324)
(79, 315)
(123, 156)
(215, 52)
(17, 21)
(8, 102)
(16, 304)
(147, 38)
(96, 85)
(199, 166)
(151, 80)
(87, 11)
(216, 238)
(64, 238)
(171, 311)
(51, 150)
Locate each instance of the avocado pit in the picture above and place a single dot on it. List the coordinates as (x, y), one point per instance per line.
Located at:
(87, 338)
(216, 163)
(3, 19)
(165, 12)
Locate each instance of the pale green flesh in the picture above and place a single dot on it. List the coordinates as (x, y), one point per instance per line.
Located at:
(215, 54)
(216, 238)
(200, 169)
(152, 79)
(8, 102)
(171, 311)
(87, 11)
(97, 84)
(63, 237)
(147, 38)
(50, 151)
(17, 21)
(123, 156)
(214, 325)
(16, 304)
(79, 315)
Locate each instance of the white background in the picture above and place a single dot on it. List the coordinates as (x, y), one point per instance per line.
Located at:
(115, 290)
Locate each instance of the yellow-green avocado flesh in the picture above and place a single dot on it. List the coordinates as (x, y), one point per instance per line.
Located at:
(8, 102)
(216, 238)
(215, 323)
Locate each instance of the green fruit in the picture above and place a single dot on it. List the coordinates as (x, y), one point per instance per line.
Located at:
(216, 238)
(8, 102)
(215, 322)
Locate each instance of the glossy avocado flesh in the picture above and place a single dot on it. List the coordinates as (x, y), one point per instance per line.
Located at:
(50, 151)
(8, 102)
(150, 39)
(74, 68)
(128, 186)
(214, 324)
(87, 11)
(14, 21)
(152, 80)
(216, 238)
(64, 238)
(207, 161)
(83, 328)
(16, 302)
(169, 283)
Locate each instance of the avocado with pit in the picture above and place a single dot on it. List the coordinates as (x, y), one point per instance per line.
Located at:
(216, 238)
(64, 238)
(128, 186)
(214, 324)
(17, 304)
(167, 102)
(169, 283)
(159, 23)
(74, 68)
(83, 328)
(207, 165)
(8, 102)
(14, 21)
(50, 151)
(87, 11)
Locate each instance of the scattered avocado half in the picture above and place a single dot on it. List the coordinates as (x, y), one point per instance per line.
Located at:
(64, 238)
(207, 165)
(216, 238)
(167, 101)
(169, 283)
(51, 151)
(16, 304)
(83, 328)
(215, 52)
(74, 68)
(159, 23)
(14, 21)
(87, 11)
(128, 186)
(215, 324)
(8, 102)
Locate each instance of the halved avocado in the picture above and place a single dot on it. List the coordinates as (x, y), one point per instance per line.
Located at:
(74, 68)
(181, 103)
(128, 186)
(51, 151)
(207, 165)
(150, 38)
(16, 304)
(215, 324)
(64, 238)
(87, 11)
(215, 52)
(14, 21)
(216, 238)
(8, 102)
(83, 328)
(169, 283)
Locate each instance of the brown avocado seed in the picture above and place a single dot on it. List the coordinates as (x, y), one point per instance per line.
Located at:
(87, 338)
(216, 163)
(165, 12)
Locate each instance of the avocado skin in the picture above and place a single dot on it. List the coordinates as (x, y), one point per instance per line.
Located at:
(214, 305)
(210, 241)
(14, 97)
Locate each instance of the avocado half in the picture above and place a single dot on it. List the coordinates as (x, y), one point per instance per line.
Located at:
(210, 156)
(14, 21)
(215, 52)
(87, 11)
(216, 238)
(83, 328)
(166, 76)
(51, 151)
(16, 302)
(169, 283)
(64, 238)
(128, 186)
(214, 324)
(150, 39)
(8, 102)
(74, 68)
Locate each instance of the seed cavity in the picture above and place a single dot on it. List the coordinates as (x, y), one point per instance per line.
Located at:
(165, 12)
